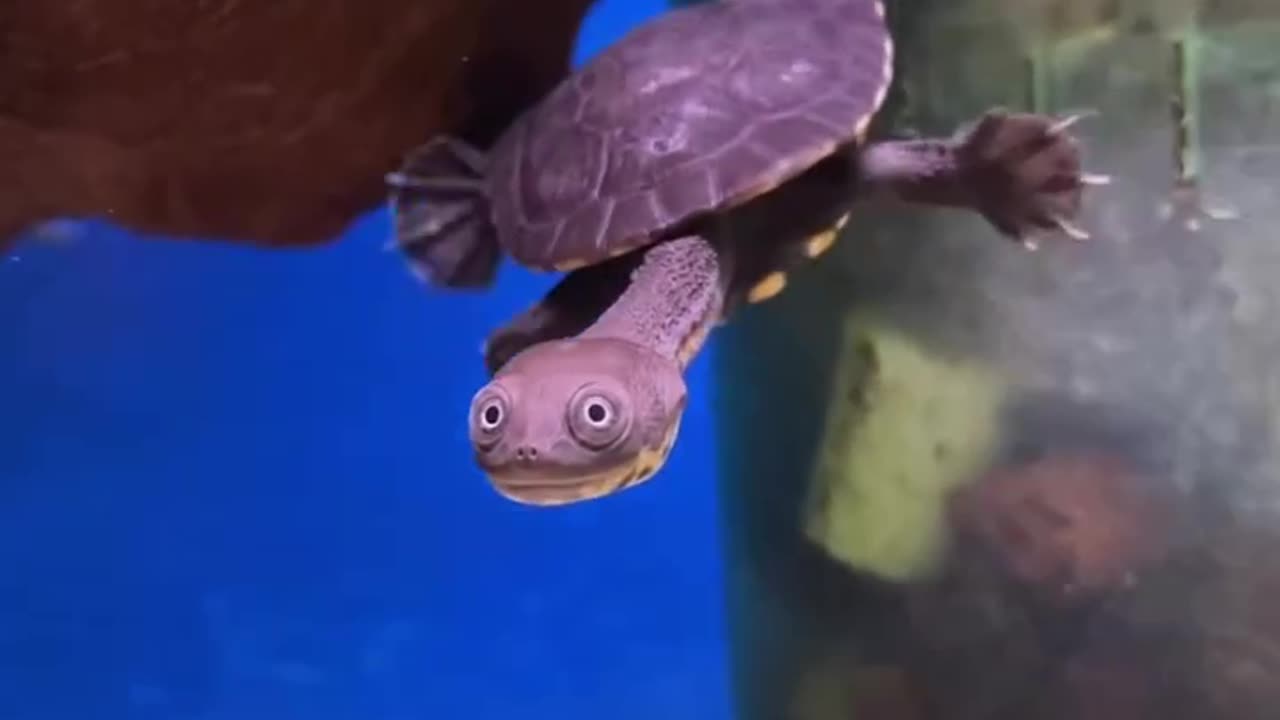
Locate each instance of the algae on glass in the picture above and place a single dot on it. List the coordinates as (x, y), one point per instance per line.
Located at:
(965, 481)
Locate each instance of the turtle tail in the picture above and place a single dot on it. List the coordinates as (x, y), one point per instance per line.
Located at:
(440, 215)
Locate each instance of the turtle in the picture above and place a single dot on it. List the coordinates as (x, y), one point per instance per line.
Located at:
(678, 175)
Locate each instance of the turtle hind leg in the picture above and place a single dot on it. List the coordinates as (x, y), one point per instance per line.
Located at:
(573, 304)
(440, 215)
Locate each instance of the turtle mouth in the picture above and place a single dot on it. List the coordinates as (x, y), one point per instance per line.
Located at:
(544, 487)
(547, 491)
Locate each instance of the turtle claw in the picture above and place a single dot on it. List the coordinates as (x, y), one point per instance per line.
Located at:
(1070, 230)
(1023, 173)
(1064, 124)
(1067, 122)
(1031, 242)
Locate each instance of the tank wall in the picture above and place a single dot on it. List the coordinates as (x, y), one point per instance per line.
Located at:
(966, 481)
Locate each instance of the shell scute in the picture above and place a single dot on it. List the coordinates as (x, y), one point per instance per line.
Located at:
(696, 110)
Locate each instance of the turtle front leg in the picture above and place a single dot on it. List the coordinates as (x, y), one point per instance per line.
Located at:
(572, 305)
(1020, 171)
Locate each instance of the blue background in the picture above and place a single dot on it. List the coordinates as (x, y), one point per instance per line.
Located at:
(235, 483)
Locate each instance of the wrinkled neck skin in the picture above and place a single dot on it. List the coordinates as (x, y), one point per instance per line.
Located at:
(675, 297)
(917, 171)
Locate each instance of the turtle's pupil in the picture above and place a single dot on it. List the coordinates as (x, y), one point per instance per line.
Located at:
(492, 415)
(596, 413)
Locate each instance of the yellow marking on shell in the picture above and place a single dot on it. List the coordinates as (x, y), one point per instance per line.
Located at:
(620, 248)
(625, 246)
(771, 285)
(820, 243)
(572, 264)
(842, 221)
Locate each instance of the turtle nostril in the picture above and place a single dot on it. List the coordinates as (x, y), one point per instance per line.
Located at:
(526, 453)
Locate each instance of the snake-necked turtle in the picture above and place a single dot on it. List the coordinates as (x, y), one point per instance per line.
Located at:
(680, 172)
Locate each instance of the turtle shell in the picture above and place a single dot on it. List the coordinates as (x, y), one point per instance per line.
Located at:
(701, 109)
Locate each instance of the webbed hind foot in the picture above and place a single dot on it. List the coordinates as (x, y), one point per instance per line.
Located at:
(440, 214)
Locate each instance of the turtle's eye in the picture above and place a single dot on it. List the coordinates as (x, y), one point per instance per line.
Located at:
(597, 418)
(489, 413)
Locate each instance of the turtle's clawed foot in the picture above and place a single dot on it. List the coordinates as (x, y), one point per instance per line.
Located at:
(1188, 207)
(1023, 174)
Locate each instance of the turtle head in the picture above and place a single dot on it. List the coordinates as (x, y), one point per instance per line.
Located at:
(576, 419)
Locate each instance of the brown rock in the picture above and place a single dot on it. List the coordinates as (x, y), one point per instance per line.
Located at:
(261, 121)
(1073, 526)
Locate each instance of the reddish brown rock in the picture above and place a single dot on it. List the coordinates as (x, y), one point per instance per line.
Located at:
(1071, 526)
(262, 121)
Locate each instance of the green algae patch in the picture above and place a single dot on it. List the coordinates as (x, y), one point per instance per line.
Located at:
(904, 427)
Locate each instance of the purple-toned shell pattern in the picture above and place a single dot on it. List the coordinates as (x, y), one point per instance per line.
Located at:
(698, 110)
